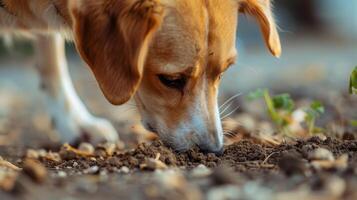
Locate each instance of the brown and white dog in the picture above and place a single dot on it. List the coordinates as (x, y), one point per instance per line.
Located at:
(168, 55)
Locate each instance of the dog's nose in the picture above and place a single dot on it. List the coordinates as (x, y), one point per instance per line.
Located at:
(216, 148)
(218, 152)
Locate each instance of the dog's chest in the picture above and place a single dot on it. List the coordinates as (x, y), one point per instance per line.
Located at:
(31, 15)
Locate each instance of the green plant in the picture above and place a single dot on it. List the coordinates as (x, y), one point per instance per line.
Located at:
(353, 81)
(353, 89)
(353, 123)
(281, 107)
(315, 110)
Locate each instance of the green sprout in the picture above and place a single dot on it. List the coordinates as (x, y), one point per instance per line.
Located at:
(315, 110)
(353, 82)
(353, 123)
(279, 107)
(353, 90)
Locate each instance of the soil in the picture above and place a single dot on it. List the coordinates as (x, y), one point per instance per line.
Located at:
(151, 171)
(242, 156)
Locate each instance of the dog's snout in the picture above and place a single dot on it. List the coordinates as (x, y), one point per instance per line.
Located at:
(217, 151)
(212, 144)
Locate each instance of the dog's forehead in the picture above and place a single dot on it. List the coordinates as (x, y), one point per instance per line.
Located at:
(223, 17)
(193, 31)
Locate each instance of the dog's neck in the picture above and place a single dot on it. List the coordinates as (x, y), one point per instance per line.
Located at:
(35, 15)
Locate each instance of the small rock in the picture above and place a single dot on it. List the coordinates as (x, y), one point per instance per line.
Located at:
(340, 164)
(201, 171)
(153, 164)
(101, 153)
(53, 156)
(109, 148)
(291, 165)
(321, 136)
(91, 170)
(224, 176)
(8, 165)
(62, 174)
(124, 170)
(68, 152)
(86, 147)
(8, 178)
(35, 170)
(31, 153)
(43, 154)
(321, 154)
(336, 187)
(171, 179)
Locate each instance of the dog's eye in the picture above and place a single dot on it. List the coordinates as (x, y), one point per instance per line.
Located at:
(175, 82)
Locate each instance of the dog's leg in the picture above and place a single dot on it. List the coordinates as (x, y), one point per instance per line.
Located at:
(69, 115)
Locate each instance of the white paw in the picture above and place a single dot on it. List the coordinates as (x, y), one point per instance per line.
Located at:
(97, 130)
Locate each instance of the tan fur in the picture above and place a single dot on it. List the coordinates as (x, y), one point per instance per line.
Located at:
(128, 43)
(113, 38)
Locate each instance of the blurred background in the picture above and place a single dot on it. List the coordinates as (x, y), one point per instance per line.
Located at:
(319, 40)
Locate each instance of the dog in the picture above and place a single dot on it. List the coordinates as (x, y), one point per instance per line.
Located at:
(168, 55)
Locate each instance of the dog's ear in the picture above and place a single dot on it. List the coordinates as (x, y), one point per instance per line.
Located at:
(261, 10)
(113, 37)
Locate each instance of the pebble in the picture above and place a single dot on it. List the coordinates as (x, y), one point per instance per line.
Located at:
(153, 164)
(86, 147)
(8, 178)
(321, 154)
(124, 170)
(336, 187)
(35, 170)
(32, 154)
(224, 176)
(62, 174)
(291, 165)
(91, 170)
(109, 148)
(201, 171)
(171, 179)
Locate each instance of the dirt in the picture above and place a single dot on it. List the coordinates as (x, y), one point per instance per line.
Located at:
(286, 167)
(242, 156)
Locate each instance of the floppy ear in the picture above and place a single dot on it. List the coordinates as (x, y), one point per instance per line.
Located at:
(261, 10)
(112, 36)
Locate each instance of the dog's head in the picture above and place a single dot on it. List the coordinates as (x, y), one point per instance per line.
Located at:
(169, 55)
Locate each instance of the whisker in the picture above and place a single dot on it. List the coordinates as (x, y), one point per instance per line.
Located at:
(231, 134)
(225, 109)
(227, 115)
(230, 99)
